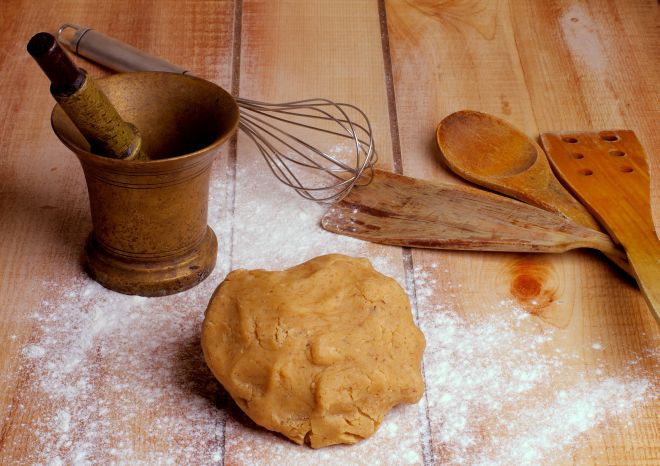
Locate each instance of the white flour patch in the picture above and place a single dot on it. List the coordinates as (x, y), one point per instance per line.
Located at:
(500, 393)
(112, 362)
(34, 351)
(581, 35)
(275, 228)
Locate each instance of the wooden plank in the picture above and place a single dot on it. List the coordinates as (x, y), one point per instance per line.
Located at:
(295, 50)
(509, 59)
(46, 318)
(37, 224)
(598, 47)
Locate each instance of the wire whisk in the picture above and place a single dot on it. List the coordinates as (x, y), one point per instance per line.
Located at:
(319, 148)
(285, 151)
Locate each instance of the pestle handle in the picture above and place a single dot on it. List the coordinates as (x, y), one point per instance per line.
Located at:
(64, 75)
(85, 104)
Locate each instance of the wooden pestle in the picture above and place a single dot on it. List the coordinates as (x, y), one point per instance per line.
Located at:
(86, 105)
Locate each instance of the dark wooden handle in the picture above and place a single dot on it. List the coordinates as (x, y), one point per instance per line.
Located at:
(65, 77)
(87, 106)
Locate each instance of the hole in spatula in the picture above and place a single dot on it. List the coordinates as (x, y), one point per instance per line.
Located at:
(611, 137)
(577, 155)
(626, 169)
(586, 172)
(617, 153)
(569, 139)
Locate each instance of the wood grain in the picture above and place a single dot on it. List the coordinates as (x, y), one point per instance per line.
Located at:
(345, 64)
(514, 60)
(543, 66)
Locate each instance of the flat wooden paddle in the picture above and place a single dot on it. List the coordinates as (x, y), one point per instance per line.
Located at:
(403, 211)
(608, 172)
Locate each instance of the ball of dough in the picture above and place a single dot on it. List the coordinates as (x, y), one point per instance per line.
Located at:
(319, 352)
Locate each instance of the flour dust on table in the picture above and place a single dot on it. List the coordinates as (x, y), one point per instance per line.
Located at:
(99, 360)
(500, 391)
(121, 379)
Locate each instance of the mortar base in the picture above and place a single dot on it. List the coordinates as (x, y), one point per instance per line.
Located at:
(151, 278)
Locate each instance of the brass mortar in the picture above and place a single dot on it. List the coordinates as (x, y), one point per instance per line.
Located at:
(150, 235)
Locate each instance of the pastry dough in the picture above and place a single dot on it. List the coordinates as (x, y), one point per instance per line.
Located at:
(319, 352)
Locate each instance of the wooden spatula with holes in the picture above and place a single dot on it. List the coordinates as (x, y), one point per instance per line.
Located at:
(608, 173)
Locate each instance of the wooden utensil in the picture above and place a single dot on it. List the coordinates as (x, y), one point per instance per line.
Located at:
(490, 152)
(403, 211)
(608, 172)
(84, 103)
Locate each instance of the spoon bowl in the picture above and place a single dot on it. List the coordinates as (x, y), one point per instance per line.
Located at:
(492, 144)
(492, 153)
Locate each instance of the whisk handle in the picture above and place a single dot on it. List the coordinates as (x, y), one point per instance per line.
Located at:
(110, 52)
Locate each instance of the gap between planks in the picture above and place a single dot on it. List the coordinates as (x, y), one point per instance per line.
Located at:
(407, 256)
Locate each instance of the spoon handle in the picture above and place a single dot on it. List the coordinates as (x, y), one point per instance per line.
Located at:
(570, 207)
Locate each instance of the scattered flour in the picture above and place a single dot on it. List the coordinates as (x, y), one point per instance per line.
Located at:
(34, 351)
(583, 37)
(500, 392)
(121, 379)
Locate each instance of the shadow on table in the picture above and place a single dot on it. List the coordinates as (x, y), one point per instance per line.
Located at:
(31, 211)
(194, 377)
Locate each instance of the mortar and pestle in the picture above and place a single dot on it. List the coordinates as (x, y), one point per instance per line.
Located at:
(146, 142)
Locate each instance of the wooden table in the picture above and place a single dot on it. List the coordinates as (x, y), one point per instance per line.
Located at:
(530, 359)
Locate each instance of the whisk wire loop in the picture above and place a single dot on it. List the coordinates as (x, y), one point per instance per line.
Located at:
(283, 150)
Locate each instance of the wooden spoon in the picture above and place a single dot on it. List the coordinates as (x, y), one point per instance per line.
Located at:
(490, 152)
(402, 211)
